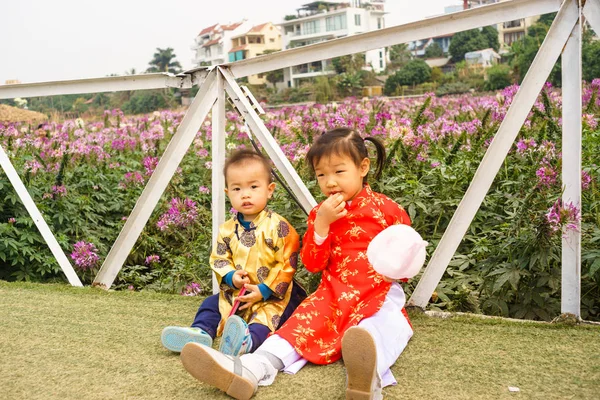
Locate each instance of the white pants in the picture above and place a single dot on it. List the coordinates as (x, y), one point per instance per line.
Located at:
(389, 328)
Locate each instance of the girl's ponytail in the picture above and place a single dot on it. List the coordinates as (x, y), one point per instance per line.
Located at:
(380, 155)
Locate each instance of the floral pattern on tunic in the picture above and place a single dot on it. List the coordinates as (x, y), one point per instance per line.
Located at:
(350, 289)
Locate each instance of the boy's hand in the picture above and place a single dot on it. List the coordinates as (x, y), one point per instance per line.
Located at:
(240, 278)
(251, 296)
(330, 211)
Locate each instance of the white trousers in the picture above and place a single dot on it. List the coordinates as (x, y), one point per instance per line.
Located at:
(388, 327)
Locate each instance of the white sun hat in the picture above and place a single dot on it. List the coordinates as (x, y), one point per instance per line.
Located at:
(397, 252)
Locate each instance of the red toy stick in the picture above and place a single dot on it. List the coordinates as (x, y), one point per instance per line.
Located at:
(236, 304)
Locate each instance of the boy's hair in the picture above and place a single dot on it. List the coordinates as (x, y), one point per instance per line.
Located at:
(245, 155)
(345, 142)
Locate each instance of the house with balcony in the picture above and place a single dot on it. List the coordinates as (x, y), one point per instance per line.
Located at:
(319, 21)
(512, 31)
(255, 42)
(212, 45)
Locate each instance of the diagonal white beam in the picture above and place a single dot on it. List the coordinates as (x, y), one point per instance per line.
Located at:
(96, 85)
(37, 217)
(571, 170)
(270, 145)
(591, 10)
(158, 182)
(494, 157)
(218, 162)
(431, 27)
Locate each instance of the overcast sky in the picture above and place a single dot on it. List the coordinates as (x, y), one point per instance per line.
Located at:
(45, 40)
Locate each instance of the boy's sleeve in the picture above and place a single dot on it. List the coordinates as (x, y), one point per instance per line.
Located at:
(314, 256)
(221, 259)
(286, 260)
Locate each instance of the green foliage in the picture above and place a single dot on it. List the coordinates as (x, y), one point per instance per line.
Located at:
(472, 40)
(434, 50)
(498, 77)
(149, 100)
(324, 91)
(413, 73)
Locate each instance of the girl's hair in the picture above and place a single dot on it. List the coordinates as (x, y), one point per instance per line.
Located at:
(345, 142)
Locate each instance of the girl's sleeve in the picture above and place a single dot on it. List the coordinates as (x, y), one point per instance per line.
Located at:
(314, 256)
(221, 258)
(395, 213)
(286, 259)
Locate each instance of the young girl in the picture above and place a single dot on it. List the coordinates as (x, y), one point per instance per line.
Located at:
(355, 313)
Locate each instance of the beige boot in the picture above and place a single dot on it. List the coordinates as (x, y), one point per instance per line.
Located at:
(219, 370)
(360, 357)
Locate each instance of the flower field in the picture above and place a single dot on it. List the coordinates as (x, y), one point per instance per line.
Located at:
(86, 176)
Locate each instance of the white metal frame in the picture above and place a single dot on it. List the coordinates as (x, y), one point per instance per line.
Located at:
(564, 37)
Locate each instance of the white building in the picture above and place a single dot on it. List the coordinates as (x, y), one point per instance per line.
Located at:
(325, 20)
(213, 44)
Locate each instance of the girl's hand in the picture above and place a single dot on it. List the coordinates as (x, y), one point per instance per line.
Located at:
(330, 211)
(240, 278)
(251, 296)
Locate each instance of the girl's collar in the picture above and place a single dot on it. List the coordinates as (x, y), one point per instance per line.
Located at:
(366, 192)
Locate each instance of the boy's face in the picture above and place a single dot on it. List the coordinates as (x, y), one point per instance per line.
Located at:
(248, 188)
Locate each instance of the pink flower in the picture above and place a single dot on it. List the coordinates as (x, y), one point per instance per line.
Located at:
(85, 255)
(565, 217)
(59, 191)
(586, 180)
(181, 214)
(192, 289)
(204, 189)
(153, 259)
(12, 220)
(150, 164)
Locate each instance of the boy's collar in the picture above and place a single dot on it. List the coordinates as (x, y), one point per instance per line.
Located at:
(256, 221)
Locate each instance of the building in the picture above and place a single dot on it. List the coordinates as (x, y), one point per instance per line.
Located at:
(320, 21)
(255, 42)
(508, 32)
(212, 45)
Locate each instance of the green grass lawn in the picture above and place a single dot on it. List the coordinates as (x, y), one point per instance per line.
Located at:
(68, 343)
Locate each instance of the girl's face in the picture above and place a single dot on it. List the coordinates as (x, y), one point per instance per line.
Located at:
(339, 174)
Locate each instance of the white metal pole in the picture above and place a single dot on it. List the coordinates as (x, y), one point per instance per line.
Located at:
(270, 145)
(96, 85)
(591, 11)
(39, 220)
(571, 169)
(158, 182)
(218, 162)
(494, 157)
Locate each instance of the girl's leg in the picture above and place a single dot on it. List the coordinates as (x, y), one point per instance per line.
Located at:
(390, 331)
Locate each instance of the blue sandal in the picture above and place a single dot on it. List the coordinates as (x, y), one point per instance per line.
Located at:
(175, 337)
(236, 338)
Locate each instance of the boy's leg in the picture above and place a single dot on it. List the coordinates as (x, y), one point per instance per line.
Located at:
(202, 331)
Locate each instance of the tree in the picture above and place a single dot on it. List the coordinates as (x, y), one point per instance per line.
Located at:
(164, 61)
(273, 76)
(434, 50)
(467, 41)
(491, 35)
(413, 73)
(351, 64)
(399, 54)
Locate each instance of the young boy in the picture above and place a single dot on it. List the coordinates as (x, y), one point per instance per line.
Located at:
(256, 250)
